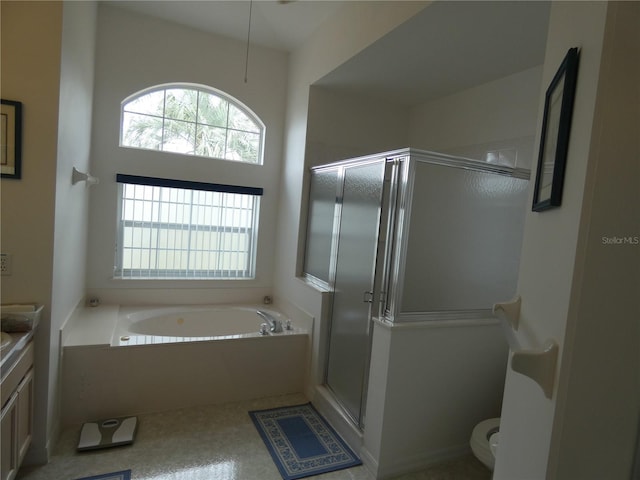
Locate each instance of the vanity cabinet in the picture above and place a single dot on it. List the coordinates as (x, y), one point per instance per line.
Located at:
(16, 418)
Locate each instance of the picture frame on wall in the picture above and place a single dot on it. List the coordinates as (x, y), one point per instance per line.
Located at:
(554, 140)
(11, 139)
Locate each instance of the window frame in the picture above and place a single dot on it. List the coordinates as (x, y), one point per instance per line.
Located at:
(232, 101)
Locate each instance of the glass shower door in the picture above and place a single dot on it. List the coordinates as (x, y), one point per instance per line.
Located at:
(349, 342)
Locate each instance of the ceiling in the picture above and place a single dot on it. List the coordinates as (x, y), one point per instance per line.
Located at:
(274, 23)
(449, 46)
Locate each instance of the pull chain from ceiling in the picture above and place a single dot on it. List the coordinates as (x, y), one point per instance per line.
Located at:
(246, 60)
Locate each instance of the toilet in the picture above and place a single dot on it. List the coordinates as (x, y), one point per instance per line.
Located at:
(484, 441)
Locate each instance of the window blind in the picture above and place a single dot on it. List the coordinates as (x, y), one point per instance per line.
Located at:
(187, 184)
(181, 229)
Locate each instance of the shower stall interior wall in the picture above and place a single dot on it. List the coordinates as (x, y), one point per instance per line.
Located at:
(414, 239)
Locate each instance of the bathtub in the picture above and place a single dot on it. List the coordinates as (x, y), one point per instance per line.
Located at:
(146, 326)
(167, 358)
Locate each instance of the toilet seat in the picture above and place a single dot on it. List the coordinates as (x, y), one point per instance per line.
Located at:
(494, 438)
(484, 441)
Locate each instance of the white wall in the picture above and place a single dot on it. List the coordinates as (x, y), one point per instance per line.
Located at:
(31, 47)
(47, 63)
(72, 202)
(498, 115)
(135, 52)
(430, 384)
(341, 126)
(31, 37)
(599, 385)
(564, 273)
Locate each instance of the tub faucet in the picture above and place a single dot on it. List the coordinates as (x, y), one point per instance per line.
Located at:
(275, 325)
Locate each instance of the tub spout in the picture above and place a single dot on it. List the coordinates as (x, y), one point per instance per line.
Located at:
(275, 325)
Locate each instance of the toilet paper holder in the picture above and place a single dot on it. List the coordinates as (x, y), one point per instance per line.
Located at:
(539, 364)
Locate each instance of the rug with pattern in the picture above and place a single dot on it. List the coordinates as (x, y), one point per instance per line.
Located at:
(301, 442)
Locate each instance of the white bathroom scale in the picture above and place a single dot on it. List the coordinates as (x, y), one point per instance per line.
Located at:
(110, 432)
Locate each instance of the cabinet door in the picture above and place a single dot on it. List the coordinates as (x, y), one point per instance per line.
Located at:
(25, 415)
(8, 447)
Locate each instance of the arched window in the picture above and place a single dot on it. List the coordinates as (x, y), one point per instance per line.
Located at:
(192, 120)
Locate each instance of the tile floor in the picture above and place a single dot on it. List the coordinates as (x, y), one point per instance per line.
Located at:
(216, 442)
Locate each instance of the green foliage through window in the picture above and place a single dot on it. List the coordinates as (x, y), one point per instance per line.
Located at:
(192, 121)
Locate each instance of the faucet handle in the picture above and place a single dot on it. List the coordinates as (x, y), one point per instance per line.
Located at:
(277, 326)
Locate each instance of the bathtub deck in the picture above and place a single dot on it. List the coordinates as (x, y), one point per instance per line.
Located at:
(91, 326)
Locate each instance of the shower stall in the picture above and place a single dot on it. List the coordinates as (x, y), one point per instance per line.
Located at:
(408, 236)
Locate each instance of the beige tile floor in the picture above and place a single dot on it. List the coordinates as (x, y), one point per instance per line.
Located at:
(216, 442)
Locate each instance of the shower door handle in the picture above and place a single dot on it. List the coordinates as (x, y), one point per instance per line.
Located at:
(367, 297)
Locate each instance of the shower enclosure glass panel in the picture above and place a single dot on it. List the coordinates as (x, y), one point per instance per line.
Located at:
(463, 247)
(349, 341)
(320, 225)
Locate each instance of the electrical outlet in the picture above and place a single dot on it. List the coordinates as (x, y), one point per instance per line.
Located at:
(5, 264)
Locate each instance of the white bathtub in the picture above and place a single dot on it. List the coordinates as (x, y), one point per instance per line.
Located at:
(145, 326)
(177, 357)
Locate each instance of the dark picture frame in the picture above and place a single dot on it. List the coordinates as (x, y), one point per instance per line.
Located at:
(11, 139)
(554, 140)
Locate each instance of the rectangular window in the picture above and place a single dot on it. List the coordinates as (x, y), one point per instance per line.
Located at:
(179, 229)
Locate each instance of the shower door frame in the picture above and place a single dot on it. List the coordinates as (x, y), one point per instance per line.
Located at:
(386, 219)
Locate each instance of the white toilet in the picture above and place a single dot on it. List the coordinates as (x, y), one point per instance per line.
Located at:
(484, 441)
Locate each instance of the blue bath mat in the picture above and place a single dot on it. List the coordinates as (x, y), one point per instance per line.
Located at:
(122, 475)
(301, 442)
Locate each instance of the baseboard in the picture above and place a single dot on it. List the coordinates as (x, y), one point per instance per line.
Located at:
(40, 455)
(310, 392)
(37, 456)
(414, 463)
(328, 407)
(369, 461)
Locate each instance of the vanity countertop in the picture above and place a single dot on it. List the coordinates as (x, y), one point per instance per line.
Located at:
(11, 352)
(19, 321)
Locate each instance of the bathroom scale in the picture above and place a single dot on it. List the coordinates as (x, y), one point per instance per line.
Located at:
(110, 432)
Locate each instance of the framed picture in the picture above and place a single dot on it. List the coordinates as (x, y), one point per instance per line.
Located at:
(11, 139)
(554, 141)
